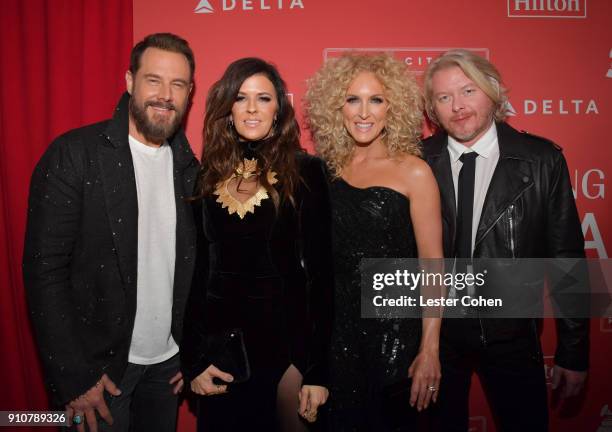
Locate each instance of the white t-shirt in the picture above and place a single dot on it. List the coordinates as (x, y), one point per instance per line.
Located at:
(152, 340)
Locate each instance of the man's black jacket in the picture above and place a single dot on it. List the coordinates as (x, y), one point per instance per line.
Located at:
(80, 258)
(531, 186)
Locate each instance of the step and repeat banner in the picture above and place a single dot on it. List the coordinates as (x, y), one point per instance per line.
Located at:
(556, 60)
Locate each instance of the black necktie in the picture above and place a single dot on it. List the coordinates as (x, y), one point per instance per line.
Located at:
(465, 205)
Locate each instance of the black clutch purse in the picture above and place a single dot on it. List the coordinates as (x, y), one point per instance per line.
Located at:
(396, 404)
(228, 353)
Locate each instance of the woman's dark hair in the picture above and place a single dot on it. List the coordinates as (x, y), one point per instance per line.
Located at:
(222, 151)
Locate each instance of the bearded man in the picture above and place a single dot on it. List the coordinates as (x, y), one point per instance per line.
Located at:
(110, 247)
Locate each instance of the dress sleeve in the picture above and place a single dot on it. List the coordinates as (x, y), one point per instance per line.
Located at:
(316, 241)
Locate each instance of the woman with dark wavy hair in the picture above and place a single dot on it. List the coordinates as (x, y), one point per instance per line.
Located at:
(258, 320)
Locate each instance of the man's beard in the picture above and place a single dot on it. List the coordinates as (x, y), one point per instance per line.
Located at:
(156, 132)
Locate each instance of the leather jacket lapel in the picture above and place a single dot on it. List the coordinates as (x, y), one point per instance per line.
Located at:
(511, 178)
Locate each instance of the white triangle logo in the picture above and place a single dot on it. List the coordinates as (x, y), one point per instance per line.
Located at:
(204, 7)
(510, 111)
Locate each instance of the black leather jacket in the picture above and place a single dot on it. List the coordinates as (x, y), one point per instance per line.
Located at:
(529, 212)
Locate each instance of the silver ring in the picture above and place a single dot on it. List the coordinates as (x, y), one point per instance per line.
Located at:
(77, 419)
(432, 388)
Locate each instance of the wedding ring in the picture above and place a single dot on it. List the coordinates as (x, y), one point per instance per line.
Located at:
(432, 388)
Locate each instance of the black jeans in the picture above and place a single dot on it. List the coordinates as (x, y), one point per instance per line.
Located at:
(146, 402)
(511, 374)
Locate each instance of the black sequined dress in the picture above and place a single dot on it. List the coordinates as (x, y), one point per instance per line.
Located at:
(367, 354)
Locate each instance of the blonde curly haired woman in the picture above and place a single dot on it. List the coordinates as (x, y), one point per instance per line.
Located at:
(364, 113)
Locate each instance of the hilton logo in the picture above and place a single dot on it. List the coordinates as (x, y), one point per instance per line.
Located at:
(547, 8)
(417, 59)
(204, 6)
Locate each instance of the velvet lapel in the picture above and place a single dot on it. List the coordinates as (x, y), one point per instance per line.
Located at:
(119, 186)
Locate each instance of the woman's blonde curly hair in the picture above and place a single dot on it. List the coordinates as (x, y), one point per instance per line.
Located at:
(326, 96)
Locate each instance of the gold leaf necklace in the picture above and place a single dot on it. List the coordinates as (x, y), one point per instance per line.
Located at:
(246, 170)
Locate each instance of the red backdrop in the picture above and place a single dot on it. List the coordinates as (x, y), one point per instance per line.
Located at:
(63, 65)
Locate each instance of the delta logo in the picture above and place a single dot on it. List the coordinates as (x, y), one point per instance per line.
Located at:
(206, 7)
(417, 59)
(547, 8)
(566, 106)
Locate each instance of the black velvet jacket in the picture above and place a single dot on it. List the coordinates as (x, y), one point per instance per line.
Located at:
(290, 258)
(80, 257)
(531, 185)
